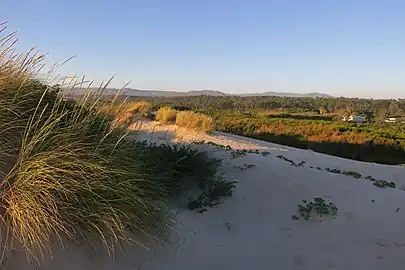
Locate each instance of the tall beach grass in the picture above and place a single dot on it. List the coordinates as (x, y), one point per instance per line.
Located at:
(193, 120)
(166, 115)
(69, 173)
(187, 119)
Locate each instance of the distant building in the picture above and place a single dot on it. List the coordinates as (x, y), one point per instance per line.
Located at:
(395, 119)
(355, 118)
(390, 120)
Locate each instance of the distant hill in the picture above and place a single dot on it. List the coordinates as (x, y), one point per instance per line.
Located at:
(154, 93)
(280, 94)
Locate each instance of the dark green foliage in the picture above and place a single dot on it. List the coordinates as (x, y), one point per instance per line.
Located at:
(173, 106)
(189, 167)
(380, 183)
(256, 151)
(212, 192)
(239, 153)
(333, 170)
(353, 174)
(245, 167)
(350, 173)
(299, 164)
(265, 153)
(234, 153)
(319, 205)
(220, 146)
(374, 109)
(370, 178)
(384, 184)
(178, 160)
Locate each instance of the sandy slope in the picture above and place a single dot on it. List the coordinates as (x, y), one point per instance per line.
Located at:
(254, 228)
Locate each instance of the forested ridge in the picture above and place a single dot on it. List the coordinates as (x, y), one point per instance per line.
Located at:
(375, 108)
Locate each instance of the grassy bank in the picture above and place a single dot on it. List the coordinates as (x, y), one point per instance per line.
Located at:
(360, 142)
(371, 142)
(68, 172)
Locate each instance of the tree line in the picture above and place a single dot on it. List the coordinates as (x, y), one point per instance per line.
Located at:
(373, 108)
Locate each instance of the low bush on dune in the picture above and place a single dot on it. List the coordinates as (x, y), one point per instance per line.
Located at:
(68, 172)
(166, 115)
(193, 120)
(193, 169)
(318, 206)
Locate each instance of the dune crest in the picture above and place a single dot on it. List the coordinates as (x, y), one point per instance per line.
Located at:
(255, 228)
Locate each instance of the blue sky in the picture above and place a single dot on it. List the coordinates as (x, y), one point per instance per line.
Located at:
(341, 47)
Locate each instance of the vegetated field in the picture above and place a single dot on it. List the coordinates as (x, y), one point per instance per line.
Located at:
(303, 126)
(360, 142)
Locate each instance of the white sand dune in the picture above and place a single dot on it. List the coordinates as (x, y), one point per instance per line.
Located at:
(254, 229)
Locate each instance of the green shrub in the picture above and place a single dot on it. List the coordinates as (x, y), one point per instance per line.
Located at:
(239, 153)
(384, 184)
(211, 194)
(318, 205)
(353, 174)
(201, 171)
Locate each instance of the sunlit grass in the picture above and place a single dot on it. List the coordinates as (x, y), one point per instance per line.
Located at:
(69, 173)
(166, 115)
(195, 121)
(66, 169)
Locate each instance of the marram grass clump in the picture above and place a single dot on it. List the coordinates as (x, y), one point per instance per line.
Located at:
(74, 176)
(187, 119)
(166, 115)
(193, 120)
(126, 113)
(141, 108)
(68, 172)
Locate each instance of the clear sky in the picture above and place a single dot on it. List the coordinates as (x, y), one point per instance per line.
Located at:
(340, 47)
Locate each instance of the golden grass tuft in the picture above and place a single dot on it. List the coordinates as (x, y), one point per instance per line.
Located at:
(142, 108)
(128, 112)
(193, 120)
(69, 174)
(75, 177)
(166, 115)
(67, 171)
